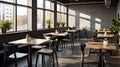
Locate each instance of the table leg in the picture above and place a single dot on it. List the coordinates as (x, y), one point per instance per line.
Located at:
(30, 56)
(100, 59)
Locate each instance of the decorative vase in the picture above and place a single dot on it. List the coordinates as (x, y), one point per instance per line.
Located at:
(105, 42)
(3, 30)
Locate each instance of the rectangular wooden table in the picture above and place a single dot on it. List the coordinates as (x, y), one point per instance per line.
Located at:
(99, 46)
(105, 36)
(29, 43)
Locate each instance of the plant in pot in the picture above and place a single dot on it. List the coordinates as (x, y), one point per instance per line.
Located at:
(5, 25)
(63, 24)
(58, 24)
(48, 22)
(116, 29)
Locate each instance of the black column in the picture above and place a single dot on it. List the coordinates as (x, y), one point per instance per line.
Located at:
(67, 18)
(55, 14)
(34, 15)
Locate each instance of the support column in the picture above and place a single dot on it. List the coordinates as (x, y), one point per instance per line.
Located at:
(34, 15)
(55, 14)
(67, 18)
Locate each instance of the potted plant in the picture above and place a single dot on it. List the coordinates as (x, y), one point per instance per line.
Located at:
(48, 23)
(105, 42)
(115, 26)
(116, 29)
(58, 24)
(63, 24)
(5, 25)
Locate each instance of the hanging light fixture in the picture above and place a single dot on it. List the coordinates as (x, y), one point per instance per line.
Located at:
(107, 3)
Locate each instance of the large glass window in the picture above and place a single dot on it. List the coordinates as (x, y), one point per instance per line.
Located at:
(47, 4)
(23, 2)
(58, 17)
(40, 3)
(22, 18)
(49, 16)
(18, 16)
(39, 19)
(7, 13)
(71, 21)
(58, 7)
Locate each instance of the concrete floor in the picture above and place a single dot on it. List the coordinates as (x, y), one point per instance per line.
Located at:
(66, 58)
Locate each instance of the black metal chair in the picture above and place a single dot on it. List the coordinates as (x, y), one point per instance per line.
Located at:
(86, 60)
(113, 58)
(51, 52)
(10, 52)
(68, 39)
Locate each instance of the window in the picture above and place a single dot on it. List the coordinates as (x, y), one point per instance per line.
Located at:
(47, 4)
(22, 18)
(19, 17)
(49, 16)
(7, 13)
(23, 2)
(40, 3)
(52, 6)
(39, 19)
(71, 21)
(58, 7)
(58, 17)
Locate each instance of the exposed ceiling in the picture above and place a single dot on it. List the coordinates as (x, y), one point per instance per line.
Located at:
(76, 2)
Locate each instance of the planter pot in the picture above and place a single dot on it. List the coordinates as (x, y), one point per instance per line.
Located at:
(3, 30)
(48, 26)
(63, 25)
(105, 43)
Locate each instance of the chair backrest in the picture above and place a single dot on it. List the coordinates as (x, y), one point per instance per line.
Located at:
(54, 44)
(9, 49)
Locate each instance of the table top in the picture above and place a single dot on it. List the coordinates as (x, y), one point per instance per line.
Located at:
(104, 31)
(32, 41)
(71, 31)
(105, 36)
(57, 34)
(100, 46)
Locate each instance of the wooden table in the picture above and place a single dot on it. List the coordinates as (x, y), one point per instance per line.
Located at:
(99, 46)
(105, 36)
(57, 34)
(72, 31)
(29, 43)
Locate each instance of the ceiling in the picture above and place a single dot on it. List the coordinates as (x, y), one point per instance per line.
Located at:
(74, 2)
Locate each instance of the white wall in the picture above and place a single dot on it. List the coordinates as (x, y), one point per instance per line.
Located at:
(93, 16)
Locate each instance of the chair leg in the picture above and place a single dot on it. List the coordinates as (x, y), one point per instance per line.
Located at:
(3, 65)
(53, 60)
(37, 60)
(43, 59)
(56, 58)
(15, 62)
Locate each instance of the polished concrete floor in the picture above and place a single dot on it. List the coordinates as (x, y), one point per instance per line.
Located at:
(66, 58)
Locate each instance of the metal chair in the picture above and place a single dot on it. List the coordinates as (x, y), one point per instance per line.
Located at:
(86, 60)
(10, 52)
(51, 52)
(115, 58)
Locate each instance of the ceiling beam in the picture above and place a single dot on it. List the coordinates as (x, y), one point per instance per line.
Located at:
(85, 3)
